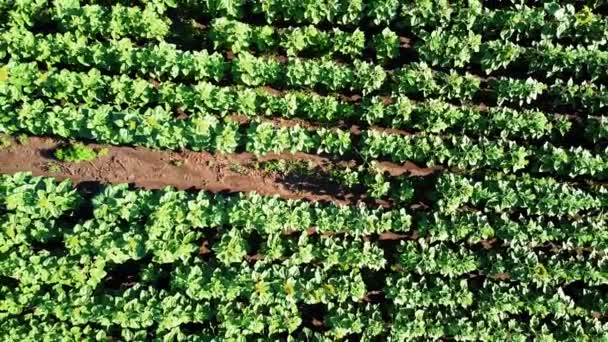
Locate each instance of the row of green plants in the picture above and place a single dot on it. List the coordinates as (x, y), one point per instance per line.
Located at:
(21, 13)
(443, 48)
(117, 21)
(545, 59)
(564, 22)
(548, 18)
(162, 60)
(361, 321)
(239, 37)
(532, 196)
(476, 226)
(95, 20)
(439, 47)
(165, 61)
(421, 80)
(554, 21)
(464, 153)
(520, 22)
(433, 116)
(22, 192)
(515, 262)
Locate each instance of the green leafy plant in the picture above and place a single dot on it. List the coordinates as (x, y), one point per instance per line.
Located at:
(386, 45)
(78, 152)
(4, 141)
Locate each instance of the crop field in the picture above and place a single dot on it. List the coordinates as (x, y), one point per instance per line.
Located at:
(303, 170)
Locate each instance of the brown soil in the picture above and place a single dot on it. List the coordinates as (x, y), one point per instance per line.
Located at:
(408, 168)
(389, 236)
(156, 169)
(278, 121)
(405, 42)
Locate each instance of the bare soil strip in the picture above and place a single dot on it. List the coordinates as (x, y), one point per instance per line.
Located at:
(155, 169)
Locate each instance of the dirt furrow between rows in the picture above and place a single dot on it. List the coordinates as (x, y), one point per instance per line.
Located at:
(154, 169)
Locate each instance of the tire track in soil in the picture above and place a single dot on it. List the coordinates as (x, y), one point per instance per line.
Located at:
(187, 170)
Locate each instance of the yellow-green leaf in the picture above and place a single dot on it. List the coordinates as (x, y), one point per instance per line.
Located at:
(3, 74)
